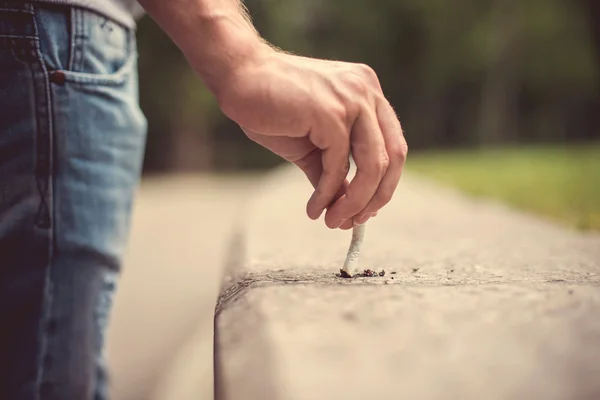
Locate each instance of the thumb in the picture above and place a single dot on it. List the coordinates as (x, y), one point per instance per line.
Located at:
(312, 167)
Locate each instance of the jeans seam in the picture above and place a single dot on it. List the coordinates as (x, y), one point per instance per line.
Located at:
(44, 145)
(72, 32)
(16, 10)
(129, 44)
(43, 167)
(77, 40)
(17, 36)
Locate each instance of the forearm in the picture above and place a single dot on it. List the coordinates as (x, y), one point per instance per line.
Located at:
(216, 36)
(310, 112)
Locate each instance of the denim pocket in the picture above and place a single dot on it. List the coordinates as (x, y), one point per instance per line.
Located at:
(17, 34)
(86, 47)
(117, 78)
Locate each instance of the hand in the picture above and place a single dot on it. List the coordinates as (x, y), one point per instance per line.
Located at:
(313, 113)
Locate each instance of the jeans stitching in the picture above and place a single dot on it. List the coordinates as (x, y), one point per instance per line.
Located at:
(24, 52)
(77, 39)
(77, 43)
(43, 164)
(25, 10)
(16, 10)
(72, 21)
(17, 37)
(83, 79)
(44, 145)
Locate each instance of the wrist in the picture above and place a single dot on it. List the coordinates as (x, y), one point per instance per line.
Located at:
(229, 45)
(216, 36)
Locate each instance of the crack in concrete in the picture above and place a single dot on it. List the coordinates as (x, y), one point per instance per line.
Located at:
(240, 284)
(254, 280)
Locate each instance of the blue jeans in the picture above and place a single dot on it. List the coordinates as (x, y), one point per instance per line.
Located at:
(72, 139)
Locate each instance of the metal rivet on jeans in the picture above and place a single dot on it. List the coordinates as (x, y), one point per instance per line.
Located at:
(58, 77)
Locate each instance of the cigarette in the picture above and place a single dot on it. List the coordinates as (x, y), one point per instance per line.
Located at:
(352, 258)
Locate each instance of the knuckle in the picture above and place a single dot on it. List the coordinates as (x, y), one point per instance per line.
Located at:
(357, 83)
(385, 197)
(399, 151)
(382, 197)
(404, 150)
(384, 163)
(370, 76)
(367, 72)
(380, 165)
(339, 112)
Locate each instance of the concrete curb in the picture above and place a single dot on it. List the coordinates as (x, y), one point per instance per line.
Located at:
(485, 302)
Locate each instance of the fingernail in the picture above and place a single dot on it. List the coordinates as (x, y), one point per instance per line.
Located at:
(314, 215)
(338, 224)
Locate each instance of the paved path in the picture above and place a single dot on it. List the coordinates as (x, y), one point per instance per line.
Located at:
(163, 315)
(485, 303)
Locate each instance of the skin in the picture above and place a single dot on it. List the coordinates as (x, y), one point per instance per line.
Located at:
(313, 113)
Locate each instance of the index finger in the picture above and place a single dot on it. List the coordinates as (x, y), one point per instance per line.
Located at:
(312, 166)
(369, 153)
(336, 164)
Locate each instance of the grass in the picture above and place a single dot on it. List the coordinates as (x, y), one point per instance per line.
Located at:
(559, 182)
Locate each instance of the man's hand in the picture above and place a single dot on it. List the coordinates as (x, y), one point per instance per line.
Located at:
(314, 113)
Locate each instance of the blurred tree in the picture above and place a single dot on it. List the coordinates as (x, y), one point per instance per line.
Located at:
(464, 73)
(593, 11)
(179, 109)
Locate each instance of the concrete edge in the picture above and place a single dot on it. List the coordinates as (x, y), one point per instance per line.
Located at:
(234, 353)
(229, 373)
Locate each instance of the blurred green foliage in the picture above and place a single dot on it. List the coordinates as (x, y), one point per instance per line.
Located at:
(560, 182)
(459, 73)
